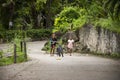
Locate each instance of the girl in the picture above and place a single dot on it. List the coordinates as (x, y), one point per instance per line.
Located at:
(70, 45)
(53, 42)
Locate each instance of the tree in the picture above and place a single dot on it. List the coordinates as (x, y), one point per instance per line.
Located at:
(65, 18)
(7, 6)
(113, 8)
(20, 10)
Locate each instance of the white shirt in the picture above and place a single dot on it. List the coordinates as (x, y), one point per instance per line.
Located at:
(70, 41)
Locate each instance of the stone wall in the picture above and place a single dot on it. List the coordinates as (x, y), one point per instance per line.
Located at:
(98, 40)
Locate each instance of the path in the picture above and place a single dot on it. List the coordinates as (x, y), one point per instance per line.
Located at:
(43, 67)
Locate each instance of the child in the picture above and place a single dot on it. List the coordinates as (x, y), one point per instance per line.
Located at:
(60, 50)
(53, 42)
(70, 45)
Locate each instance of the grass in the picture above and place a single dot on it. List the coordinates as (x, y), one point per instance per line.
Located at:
(10, 60)
(6, 61)
(112, 55)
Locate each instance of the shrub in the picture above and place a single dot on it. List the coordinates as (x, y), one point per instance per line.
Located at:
(6, 59)
(46, 46)
(108, 24)
(10, 60)
(39, 34)
(65, 18)
(35, 34)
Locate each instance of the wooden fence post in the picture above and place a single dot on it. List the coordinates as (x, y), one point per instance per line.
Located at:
(15, 56)
(25, 50)
(1, 54)
(21, 46)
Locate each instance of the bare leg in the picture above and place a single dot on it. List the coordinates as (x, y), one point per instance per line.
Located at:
(70, 52)
(62, 54)
(59, 54)
(52, 52)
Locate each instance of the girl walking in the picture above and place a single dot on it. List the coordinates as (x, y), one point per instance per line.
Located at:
(70, 45)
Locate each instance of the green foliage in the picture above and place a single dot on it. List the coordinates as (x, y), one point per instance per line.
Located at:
(29, 10)
(83, 18)
(112, 55)
(44, 1)
(47, 46)
(65, 18)
(115, 55)
(35, 34)
(6, 61)
(10, 60)
(98, 12)
(60, 41)
(10, 35)
(25, 9)
(106, 16)
(39, 33)
(112, 7)
(17, 38)
(74, 15)
(79, 23)
(39, 4)
(108, 24)
(1, 27)
(18, 23)
(69, 13)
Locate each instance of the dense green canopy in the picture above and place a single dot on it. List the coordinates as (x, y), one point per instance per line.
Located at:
(45, 13)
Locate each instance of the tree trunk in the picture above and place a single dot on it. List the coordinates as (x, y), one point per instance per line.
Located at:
(15, 55)
(34, 15)
(48, 14)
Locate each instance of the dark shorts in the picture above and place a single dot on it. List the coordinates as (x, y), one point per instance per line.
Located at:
(53, 46)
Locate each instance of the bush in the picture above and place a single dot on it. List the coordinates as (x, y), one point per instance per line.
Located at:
(10, 60)
(39, 34)
(71, 15)
(65, 18)
(115, 55)
(35, 34)
(111, 55)
(46, 46)
(6, 61)
(108, 24)
(10, 35)
(7, 56)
